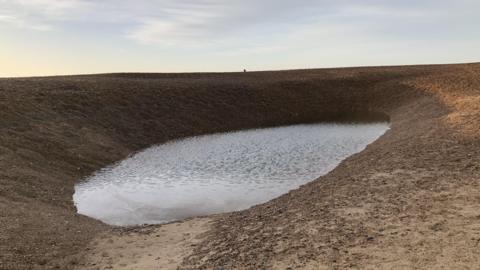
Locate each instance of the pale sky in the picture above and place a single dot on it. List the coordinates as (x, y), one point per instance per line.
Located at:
(48, 37)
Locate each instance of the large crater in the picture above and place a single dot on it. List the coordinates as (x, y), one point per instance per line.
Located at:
(56, 131)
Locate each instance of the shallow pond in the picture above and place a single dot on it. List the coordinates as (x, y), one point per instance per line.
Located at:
(217, 173)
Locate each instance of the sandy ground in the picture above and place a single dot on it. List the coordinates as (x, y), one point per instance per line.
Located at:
(153, 247)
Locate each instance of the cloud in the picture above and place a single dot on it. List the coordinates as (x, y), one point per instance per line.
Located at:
(39, 15)
(194, 23)
(21, 23)
(213, 21)
(182, 21)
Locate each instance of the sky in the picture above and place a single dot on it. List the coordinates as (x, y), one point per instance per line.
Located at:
(53, 37)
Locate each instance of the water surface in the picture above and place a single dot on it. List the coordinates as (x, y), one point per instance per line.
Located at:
(217, 173)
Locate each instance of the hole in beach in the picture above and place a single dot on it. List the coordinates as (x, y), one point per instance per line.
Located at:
(218, 173)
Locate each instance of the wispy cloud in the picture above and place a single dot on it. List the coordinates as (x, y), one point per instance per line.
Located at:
(39, 15)
(194, 23)
(215, 21)
(22, 23)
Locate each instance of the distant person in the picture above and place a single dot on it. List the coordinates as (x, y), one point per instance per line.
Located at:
(244, 70)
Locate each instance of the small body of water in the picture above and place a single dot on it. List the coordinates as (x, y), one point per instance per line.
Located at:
(217, 173)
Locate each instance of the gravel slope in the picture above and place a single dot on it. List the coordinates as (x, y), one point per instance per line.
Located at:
(410, 199)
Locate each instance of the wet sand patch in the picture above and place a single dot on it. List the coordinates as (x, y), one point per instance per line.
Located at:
(152, 247)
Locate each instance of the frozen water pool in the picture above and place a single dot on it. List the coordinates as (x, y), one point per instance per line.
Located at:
(217, 173)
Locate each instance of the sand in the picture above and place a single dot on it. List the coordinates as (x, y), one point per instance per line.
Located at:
(153, 247)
